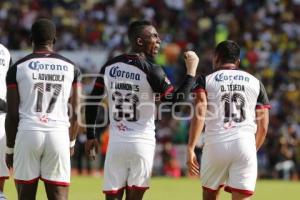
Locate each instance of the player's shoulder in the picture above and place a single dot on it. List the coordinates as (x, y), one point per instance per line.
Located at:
(24, 59)
(61, 57)
(134, 60)
(4, 50)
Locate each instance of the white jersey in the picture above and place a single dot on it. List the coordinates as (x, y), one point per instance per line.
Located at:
(232, 97)
(131, 82)
(44, 82)
(5, 61)
(4, 65)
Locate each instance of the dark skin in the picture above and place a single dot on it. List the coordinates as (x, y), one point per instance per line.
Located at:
(146, 44)
(197, 125)
(28, 191)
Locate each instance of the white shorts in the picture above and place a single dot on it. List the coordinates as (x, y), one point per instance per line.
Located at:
(42, 154)
(232, 164)
(128, 165)
(4, 172)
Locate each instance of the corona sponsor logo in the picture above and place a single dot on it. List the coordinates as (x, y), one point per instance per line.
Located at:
(115, 72)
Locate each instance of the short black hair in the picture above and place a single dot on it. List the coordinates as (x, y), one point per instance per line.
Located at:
(135, 29)
(43, 31)
(228, 51)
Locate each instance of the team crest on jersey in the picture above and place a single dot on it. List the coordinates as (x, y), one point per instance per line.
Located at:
(123, 127)
(44, 119)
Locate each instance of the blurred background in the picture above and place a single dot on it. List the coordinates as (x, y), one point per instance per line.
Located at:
(91, 31)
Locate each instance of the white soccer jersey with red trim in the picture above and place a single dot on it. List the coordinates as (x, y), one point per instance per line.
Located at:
(131, 83)
(44, 82)
(232, 96)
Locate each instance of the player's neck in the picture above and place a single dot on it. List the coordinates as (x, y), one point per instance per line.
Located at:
(42, 48)
(228, 66)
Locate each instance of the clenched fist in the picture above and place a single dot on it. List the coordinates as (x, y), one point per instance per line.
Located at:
(191, 62)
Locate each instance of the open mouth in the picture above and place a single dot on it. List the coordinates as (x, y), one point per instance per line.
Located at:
(156, 48)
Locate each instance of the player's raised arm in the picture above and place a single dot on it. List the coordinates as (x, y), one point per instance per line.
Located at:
(161, 84)
(12, 117)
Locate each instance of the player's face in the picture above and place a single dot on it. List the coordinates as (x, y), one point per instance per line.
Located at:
(151, 41)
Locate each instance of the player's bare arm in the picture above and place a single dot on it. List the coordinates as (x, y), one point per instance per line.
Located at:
(11, 122)
(262, 121)
(168, 94)
(196, 128)
(91, 145)
(74, 101)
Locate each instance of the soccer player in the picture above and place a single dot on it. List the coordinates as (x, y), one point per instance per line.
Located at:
(131, 81)
(5, 62)
(39, 140)
(234, 107)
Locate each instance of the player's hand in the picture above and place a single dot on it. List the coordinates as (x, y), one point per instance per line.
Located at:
(192, 163)
(72, 151)
(91, 148)
(191, 61)
(9, 158)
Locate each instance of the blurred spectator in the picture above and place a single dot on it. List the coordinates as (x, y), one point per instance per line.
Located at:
(171, 165)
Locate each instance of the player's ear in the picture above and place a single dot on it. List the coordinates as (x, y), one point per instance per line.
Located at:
(139, 41)
(54, 40)
(237, 63)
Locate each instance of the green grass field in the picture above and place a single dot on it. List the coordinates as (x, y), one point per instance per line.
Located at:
(89, 188)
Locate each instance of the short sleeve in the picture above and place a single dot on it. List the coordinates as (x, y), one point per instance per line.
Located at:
(262, 99)
(76, 80)
(11, 77)
(10, 62)
(99, 83)
(199, 85)
(159, 81)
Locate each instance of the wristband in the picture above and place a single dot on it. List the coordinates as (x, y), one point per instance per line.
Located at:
(72, 143)
(9, 150)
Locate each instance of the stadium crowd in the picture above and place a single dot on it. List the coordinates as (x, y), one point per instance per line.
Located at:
(267, 31)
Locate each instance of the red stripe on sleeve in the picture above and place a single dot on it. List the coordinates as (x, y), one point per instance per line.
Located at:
(168, 91)
(199, 90)
(267, 106)
(99, 85)
(12, 85)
